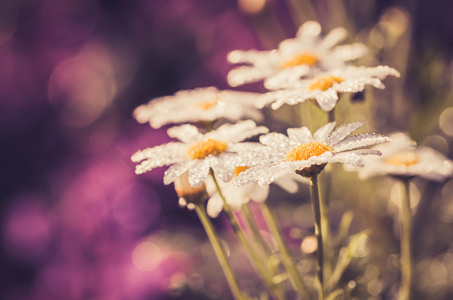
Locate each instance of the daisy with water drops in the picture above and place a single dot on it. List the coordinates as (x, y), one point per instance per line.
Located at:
(403, 159)
(308, 52)
(325, 87)
(199, 105)
(306, 154)
(197, 153)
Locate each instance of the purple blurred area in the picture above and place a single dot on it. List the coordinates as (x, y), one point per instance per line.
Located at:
(76, 222)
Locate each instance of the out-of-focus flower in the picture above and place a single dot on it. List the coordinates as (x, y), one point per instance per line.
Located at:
(236, 196)
(308, 52)
(197, 153)
(306, 154)
(201, 104)
(325, 87)
(402, 158)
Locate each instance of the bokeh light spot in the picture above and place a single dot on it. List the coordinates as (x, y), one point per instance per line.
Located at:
(251, 6)
(146, 256)
(446, 121)
(397, 193)
(309, 244)
(82, 87)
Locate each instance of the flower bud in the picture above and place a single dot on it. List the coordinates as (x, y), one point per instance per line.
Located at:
(189, 194)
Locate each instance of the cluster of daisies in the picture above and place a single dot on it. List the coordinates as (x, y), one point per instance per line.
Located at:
(307, 67)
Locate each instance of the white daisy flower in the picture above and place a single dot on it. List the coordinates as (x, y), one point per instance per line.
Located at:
(308, 51)
(325, 87)
(306, 154)
(236, 196)
(402, 158)
(197, 153)
(201, 104)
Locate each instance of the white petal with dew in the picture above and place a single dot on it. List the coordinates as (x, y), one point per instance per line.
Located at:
(360, 140)
(223, 166)
(322, 133)
(348, 158)
(186, 133)
(327, 100)
(276, 140)
(161, 154)
(300, 135)
(199, 172)
(343, 131)
(177, 170)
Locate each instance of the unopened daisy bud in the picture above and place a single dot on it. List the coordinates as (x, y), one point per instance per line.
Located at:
(189, 195)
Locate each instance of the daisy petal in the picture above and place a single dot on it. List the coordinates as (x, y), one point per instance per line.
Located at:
(223, 166)
(215, 206)
(322, 133)
(185, 133)
(237, 132)
(343, 131)
(276, 140)
(327, 99)
(335, 36)
(177, 170)
(348, 158)
(300, 135)
(360, 140)
(161, 154)
(199, 172)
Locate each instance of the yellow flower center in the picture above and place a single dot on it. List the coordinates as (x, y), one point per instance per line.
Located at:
(324, 83)
(307, 150)
(205, 105)
(239, 170)
(404, 158)
(204, 148)
(301, 59)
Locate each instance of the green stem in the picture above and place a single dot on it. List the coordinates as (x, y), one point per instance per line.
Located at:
(251, 224)
(256, 262)
(284, 252)
(406, 255)
(331, 115)
(325, 227)
(314, 192)
(219, 251)
(253, 228)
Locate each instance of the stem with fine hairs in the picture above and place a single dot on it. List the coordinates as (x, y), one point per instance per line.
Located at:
(219, 251)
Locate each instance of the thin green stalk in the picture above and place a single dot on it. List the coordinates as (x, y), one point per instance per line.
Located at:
(331, 115)
(324, 200)
(406, 255)
(219, 251)
(256, 262)
(251, 224)
(314, 192)
(253, 228)
(284, 252)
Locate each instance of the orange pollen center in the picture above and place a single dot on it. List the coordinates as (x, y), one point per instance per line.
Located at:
(202, 149)
(324, 83)
(405, 158)
(307, 150)
(239, 170)
(301, 59)
(205, 105)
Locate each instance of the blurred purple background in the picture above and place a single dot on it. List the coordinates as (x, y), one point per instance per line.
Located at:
(76, 222)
